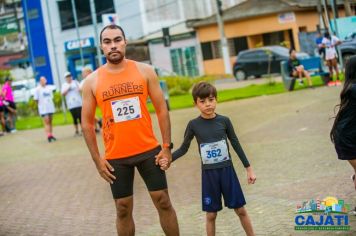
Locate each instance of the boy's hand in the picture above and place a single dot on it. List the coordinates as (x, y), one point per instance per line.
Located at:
(163, 163)
(166, 155)
(251, 177)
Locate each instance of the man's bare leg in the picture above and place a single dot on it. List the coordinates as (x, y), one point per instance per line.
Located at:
(166, 212)
(124, 221)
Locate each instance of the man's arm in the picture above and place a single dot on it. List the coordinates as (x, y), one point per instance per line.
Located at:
(157, 98)
(65, 89)
(88, 127)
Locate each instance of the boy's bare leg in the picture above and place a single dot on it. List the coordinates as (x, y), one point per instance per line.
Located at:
(210, 223)
(245, 220)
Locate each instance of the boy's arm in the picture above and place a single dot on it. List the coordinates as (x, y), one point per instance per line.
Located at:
(235, 143)
(188, 136)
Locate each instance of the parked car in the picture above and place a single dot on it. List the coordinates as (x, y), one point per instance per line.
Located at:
(255, 62)
(23, 90)
(348, 47)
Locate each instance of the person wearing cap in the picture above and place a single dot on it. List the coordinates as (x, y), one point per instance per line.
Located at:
(9, 103)
(85, 72)
(70, 89)
(44, 99)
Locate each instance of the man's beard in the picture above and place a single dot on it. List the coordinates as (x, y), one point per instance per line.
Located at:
(115, 60)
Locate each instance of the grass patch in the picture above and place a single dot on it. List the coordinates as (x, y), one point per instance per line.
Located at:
(181, 101)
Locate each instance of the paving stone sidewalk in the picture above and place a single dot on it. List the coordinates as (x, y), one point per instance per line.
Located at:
(54, 188)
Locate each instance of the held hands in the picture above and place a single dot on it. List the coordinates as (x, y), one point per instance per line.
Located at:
(164, 158)
(105, 169)
(251, 177)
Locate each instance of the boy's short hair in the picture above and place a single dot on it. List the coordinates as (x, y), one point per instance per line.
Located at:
(203, 90)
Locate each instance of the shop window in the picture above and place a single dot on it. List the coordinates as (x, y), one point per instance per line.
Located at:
(83, 12)
(274, 38)
(211, 50)
(184, 61)
(302, 29)
(236, 45)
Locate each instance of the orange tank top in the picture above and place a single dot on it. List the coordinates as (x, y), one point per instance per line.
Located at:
(127, 125)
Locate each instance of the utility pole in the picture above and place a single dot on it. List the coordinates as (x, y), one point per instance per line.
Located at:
(334, 8)
(77, 29)
(326, 14)
(55, 58)
(223, 40)
(95, 25)
(321, 18)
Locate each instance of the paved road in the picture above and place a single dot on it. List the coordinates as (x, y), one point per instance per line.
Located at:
(54, 189)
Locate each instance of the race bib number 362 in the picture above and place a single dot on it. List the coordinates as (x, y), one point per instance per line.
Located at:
(126, 109)
(216, 152)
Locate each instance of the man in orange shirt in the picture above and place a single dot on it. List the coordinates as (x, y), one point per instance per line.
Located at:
(121, 88)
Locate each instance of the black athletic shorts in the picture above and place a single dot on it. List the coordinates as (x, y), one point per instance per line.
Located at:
(76, 114)
(124, 171)
(2, 108)
(10, 104)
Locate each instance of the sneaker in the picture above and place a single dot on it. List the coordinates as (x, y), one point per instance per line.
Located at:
(77, 134)
(337, 83)
(331, 83)
(97, 131)
(13, 131)
(51, 139)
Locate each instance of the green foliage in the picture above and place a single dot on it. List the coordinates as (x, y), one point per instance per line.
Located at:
(57, 99)
(3, 75)
(26, 109)
(178, 85)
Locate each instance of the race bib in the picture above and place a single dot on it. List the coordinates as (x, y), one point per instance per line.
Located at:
(212, 153)
(126, 109)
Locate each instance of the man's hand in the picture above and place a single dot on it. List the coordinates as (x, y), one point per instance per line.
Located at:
(251, 177)
(105, 169)
(164, 154)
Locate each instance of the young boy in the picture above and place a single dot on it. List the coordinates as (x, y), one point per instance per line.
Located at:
(218, 175)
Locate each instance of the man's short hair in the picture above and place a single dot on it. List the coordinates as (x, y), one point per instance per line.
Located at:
(203, 90)
(112, 26)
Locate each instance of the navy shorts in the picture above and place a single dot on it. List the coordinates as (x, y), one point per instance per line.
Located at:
(221, 181)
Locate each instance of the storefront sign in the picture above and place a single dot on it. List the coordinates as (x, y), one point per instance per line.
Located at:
(110, 19)
(74, 44)
(287, 17)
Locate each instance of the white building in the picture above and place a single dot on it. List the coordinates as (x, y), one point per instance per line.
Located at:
(139, 18)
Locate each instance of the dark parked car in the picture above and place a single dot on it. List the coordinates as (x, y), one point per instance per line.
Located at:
(255, 62)
(348, 47)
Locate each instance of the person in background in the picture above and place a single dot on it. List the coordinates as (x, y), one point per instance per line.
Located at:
(44, 99)
(319, 44)
(2, 111)
(85, 72)
(70, 89)
(343, 132)
(296, 70)
(9, 104)
(330, 42)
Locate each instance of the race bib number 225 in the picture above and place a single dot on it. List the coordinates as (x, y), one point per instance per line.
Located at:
(126, 109)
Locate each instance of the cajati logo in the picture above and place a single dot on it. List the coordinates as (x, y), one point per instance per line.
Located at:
(327, 214)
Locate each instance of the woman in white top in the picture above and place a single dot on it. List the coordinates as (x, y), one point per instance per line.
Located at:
(71, 91)
(330, 42)
(44, 98)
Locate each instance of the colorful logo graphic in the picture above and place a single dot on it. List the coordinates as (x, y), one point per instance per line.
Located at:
(327, 214)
